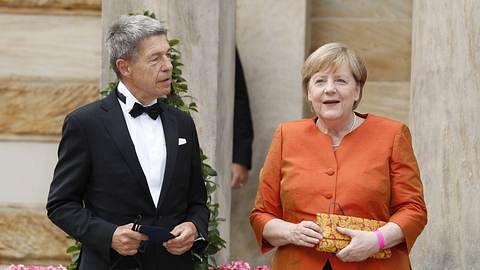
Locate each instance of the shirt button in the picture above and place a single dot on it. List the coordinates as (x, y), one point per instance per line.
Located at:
(330, 171)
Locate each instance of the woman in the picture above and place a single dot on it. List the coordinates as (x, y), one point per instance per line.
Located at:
(362, 163)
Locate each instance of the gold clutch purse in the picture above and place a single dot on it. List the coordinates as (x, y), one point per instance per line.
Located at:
(333, 241)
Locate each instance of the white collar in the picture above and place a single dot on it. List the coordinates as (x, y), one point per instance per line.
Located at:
(130, 99)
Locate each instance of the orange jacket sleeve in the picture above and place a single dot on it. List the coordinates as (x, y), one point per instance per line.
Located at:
(268, 203)
(407, 205)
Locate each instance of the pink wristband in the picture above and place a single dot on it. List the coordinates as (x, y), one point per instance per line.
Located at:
(380, 239)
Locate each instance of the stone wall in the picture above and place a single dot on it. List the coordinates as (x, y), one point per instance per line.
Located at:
(50, 66)
(271, 37)
(29, 238)
(85, 7)
(381, 32)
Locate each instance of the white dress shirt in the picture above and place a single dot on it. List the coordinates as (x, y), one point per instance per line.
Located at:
(149, 140)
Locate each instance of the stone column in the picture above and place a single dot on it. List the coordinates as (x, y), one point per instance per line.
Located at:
(271, 39)
(445, 91)
(206, 32)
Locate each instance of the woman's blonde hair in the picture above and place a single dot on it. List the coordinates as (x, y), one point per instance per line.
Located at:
(333, 55)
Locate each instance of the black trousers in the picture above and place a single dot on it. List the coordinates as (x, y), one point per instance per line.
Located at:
(327, 266)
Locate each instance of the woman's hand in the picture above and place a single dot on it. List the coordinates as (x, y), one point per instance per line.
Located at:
(305, 233)
(363, 245)
(279, 232)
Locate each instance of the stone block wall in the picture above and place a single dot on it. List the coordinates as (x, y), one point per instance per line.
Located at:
(381, 32)
(29, 238)
(50, 66)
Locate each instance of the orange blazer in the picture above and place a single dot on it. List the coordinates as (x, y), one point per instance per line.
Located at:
(373, 174)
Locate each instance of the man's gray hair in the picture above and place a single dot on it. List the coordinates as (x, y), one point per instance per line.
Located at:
(124, 36)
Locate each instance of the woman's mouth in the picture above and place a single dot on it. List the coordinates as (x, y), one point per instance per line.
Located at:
(328, 102)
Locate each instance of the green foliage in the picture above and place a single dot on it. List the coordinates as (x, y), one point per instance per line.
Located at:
(74, 251)
(178, 95)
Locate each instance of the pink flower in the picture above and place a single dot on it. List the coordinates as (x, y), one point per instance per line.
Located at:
(23, 267)
(239, 265)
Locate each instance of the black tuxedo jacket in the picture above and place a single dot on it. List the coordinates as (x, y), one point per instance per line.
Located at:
(98, 184)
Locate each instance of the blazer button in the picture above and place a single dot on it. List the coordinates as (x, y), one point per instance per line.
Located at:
(330, 171)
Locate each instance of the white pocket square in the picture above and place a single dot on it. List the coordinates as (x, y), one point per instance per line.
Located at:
(181, 141)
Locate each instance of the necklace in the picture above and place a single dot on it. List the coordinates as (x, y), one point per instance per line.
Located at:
(354, 122)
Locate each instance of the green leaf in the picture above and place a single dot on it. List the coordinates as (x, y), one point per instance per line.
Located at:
(75, 257)
(209, 171)
(176, 71)
(71, 249)
(182, 86)
(173, 42)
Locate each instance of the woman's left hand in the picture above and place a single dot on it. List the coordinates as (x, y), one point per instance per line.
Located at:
(363, 245)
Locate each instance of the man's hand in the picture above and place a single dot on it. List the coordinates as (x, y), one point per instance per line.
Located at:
(239, 175)
(125, 241)
(363, 245)
(185, 233)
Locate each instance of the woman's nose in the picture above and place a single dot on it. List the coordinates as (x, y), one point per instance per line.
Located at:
(330, 87)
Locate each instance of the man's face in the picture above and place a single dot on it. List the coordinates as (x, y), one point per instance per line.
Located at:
(150, 71)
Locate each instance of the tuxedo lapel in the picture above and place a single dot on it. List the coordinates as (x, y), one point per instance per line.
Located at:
(171, 141)
(117, 128)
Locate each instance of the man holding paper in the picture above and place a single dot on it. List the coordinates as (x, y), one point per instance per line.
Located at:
(130, 158)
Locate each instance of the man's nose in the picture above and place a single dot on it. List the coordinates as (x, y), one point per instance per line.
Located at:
(167, 64)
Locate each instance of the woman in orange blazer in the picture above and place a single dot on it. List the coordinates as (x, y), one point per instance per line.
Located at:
(361, 162)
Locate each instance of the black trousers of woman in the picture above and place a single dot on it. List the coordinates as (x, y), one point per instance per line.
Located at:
(327, 266)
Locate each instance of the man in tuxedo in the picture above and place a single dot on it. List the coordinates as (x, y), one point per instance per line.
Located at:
(131, 158)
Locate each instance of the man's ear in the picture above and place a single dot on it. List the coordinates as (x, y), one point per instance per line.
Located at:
(123, 67)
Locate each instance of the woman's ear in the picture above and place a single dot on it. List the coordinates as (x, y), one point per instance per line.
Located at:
(309, 93)
(357, 92)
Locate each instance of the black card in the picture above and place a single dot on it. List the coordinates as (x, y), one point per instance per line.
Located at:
(156, 234)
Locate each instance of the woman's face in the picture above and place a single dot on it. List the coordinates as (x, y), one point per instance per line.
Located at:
(333, 93)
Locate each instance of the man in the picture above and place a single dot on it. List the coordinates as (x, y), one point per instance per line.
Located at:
(129, 155)
(242, 129)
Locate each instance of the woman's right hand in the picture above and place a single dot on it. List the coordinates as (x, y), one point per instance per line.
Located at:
(305, 233)
(278, 232)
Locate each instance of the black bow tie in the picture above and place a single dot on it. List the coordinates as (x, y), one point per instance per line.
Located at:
(153, 111)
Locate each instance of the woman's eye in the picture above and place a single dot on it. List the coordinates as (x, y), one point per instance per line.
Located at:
(342, 81)
(320, 81)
